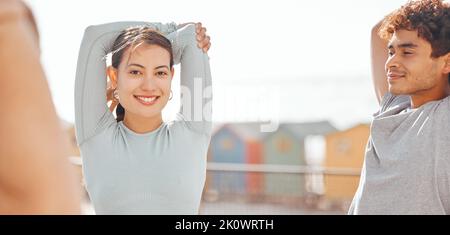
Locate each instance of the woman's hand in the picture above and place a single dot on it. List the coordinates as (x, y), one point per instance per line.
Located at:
(110, 97)
(204, 41)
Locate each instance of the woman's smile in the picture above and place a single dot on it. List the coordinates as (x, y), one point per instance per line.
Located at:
(146, 100)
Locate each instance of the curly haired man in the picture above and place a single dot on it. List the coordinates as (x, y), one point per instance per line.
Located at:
(407, 163)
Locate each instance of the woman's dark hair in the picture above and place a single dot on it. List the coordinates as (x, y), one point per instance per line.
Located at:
(132, 38)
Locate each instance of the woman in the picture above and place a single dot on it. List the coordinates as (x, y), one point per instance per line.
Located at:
(138, 164)
(35, 174)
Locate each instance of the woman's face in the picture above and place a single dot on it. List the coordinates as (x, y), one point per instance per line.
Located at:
(143, 80)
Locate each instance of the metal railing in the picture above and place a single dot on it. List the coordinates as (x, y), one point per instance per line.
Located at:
(287, 169)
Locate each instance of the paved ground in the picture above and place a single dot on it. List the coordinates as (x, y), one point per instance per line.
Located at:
(236, 208)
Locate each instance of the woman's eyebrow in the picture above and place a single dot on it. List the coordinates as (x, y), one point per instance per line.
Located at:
(137, 65)
(162, 66)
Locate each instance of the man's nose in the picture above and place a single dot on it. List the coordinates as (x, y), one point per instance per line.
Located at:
(392, 62)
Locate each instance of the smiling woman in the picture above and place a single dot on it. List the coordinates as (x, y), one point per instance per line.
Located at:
(142, 165)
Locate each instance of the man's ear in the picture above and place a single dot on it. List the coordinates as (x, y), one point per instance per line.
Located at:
(447, 63)
(112, 74)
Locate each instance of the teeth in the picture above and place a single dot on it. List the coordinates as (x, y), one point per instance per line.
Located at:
(147, 99)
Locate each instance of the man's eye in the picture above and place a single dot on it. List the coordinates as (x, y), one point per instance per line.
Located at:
(407, 53)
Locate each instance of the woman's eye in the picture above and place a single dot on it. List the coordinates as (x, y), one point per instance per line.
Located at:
(407, 53)
(135, 72)
(161, 74)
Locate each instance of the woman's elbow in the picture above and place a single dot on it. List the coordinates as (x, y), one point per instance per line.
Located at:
(91, 29)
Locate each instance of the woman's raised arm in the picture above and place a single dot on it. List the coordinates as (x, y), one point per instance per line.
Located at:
(92, 114)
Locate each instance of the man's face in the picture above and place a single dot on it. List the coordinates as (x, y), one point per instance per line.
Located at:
(410, 68)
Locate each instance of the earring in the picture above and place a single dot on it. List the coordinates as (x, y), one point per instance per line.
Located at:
(116, 95)
(171, 95)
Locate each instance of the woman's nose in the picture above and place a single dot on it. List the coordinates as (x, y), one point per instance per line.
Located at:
(148, 83)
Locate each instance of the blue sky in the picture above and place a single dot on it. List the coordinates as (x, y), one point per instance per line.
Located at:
(294, 59)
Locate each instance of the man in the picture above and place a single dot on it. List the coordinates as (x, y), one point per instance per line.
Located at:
(407, 163)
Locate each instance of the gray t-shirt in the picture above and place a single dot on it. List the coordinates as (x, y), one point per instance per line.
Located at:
(160, 172)
(407, 164)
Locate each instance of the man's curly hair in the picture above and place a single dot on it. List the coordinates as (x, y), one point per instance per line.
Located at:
(431, 19)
